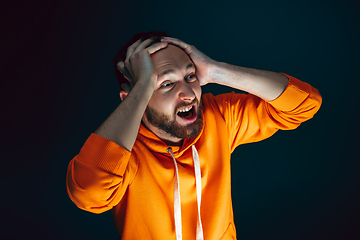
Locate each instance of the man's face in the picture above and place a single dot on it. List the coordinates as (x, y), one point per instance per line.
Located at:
(173, 112)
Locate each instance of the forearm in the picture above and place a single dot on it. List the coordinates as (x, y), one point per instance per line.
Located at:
(122, 126)
(264, 84)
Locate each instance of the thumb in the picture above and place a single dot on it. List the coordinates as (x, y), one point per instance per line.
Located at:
(122, 68)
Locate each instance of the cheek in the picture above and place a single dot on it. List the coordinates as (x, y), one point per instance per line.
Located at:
(199, 93)
(162, 104)
(197, 90)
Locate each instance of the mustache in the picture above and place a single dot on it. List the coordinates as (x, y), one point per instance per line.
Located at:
(184, 104)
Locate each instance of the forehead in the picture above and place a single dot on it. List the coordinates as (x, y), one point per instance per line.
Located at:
(170, 57)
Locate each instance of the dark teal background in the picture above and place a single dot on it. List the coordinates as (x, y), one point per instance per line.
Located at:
(58, 86)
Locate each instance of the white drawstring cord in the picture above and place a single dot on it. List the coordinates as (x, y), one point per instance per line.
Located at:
(177, 201)
(199, 229)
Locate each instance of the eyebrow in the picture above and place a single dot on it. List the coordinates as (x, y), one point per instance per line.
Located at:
(169, 71)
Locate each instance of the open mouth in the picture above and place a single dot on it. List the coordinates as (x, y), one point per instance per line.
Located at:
(187, 113)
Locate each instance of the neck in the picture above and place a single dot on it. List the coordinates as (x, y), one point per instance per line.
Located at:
(167, 138)
(171, 143)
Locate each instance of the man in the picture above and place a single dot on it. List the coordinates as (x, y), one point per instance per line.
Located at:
(161, 161)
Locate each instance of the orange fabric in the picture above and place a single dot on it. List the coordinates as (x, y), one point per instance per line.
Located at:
(138, 185)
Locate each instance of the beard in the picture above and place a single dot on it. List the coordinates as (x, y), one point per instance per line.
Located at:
(169, 125)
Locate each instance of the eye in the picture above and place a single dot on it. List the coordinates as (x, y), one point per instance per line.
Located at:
(166, 84)
(190, 78)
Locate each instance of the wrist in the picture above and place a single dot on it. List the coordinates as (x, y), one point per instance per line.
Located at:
(219, 72)
(147, 82)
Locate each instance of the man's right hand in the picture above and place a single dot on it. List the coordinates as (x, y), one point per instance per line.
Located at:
(122, 126)
(138, 65)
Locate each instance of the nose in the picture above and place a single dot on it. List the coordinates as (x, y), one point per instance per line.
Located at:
(186, 93)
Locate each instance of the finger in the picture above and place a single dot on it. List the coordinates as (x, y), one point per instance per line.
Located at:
(140, 46)
(126, 87)
(127, 74)
(156, 47)
(132, 48)
(178, 42)
(144, 44)
(120, 66)
(128, 78)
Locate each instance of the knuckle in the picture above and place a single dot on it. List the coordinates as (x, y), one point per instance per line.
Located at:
(120, 64)
(132, 57)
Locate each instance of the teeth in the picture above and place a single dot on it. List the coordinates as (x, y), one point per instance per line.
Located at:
(186, 109)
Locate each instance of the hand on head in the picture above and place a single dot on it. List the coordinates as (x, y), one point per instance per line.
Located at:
(138, 64)
(204, 65)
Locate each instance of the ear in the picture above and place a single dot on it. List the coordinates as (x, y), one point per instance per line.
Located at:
(125, 89)
(123, 94)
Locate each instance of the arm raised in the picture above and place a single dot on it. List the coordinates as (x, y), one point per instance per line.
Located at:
(99, 175)
(264, 84)
(123, 124)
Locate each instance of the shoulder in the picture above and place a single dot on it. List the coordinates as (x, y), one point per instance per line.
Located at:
(222, 100)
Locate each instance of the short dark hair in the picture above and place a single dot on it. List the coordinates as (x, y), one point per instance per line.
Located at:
(121, 55)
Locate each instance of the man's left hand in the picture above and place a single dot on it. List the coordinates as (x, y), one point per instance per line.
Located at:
(204, 65)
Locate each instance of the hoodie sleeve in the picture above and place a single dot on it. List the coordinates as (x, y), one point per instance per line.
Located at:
(251, 119)
(98, 177)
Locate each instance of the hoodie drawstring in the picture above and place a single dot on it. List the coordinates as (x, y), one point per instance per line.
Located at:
(177, 200)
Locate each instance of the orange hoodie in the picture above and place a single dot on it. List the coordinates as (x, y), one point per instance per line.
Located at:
(138, 186)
